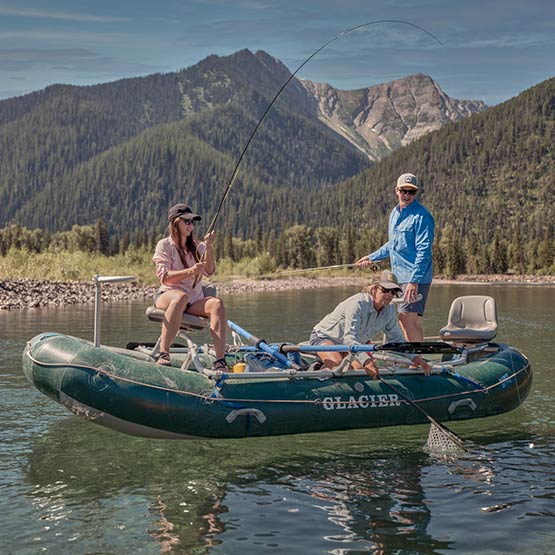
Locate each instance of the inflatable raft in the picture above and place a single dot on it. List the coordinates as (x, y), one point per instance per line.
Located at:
(126, 391)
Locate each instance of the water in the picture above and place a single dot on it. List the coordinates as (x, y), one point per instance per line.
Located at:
(68, 486)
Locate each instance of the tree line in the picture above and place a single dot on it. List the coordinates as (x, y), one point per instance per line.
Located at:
(486, 179)
(301, 246)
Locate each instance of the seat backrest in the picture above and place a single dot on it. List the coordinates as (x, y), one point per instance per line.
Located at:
(472, 318)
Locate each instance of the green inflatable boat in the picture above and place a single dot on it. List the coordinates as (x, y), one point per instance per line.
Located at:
(279, 389)
(125, 391)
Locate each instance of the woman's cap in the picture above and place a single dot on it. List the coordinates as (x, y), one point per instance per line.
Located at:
(388, 280)
(182, 211)
(408, 180)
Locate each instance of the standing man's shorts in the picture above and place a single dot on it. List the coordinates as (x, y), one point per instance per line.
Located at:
(418, 306)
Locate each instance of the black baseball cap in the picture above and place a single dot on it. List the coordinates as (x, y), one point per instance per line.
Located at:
(182, 211)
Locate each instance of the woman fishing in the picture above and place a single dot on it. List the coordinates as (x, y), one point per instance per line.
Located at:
(357, 319)
(181, 262)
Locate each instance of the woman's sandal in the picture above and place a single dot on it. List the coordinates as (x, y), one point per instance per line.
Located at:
(163, 359)
(220, 365)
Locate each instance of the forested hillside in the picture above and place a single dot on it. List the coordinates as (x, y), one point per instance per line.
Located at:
(54, 140)
(487, 180)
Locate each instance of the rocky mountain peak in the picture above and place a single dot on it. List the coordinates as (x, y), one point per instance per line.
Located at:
(382, 118)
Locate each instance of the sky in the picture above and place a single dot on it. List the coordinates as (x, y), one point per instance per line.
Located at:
(490, 50)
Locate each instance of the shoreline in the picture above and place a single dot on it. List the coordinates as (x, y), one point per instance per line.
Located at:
(17, 294)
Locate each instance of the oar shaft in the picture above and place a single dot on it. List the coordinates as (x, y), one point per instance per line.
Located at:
(327, 348)
(406, 347)
(261, 344)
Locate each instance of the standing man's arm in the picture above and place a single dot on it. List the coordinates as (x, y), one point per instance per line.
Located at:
(423, 261)
(381, 254)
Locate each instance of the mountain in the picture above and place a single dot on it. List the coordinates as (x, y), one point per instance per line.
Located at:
(382, 118)
(487, 179)
(125, 151)
(51, 139)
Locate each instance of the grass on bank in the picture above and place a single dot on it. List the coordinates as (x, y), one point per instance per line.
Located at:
(82, 266)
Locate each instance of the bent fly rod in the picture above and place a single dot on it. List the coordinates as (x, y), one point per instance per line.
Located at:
(340, 35)
(337, 37)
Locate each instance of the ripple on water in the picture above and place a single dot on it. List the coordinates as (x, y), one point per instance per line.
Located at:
(70, 486)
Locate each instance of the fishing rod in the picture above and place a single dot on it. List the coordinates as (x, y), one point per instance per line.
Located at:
(340, 35)
(337, 37)
(374, 268)
(303, 270)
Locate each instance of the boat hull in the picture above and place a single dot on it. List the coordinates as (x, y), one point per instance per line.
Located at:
(145, 399)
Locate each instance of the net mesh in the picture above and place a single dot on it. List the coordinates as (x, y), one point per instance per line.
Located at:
(443, 441)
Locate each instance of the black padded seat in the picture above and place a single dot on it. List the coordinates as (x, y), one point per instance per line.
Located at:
(188, 321)
(472, 319)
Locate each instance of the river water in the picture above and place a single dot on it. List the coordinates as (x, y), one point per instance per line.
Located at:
(69, 486)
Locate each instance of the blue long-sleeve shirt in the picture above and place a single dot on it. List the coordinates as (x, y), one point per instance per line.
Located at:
(409, 248)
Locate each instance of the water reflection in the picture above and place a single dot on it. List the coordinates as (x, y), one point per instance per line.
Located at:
(352, 492)
(75, 484)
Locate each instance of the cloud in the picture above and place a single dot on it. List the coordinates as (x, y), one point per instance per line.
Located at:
(67, 59)
(33, 35)
(67, 16)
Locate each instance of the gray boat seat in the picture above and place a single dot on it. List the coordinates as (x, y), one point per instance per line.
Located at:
(188, 321)
(472, 319)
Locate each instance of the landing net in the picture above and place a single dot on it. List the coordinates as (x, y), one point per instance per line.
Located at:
(442, 440)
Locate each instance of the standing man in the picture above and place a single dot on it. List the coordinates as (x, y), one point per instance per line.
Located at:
(409, 248)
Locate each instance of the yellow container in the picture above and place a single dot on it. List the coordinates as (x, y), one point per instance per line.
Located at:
(239, 367)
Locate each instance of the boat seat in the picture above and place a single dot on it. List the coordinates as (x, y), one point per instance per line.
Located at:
(472, 319)
(188, 321)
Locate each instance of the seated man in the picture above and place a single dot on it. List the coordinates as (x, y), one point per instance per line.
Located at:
(357, 319)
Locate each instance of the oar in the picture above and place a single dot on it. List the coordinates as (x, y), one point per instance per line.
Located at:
(262, 345)
(424, 347)
(454, 441)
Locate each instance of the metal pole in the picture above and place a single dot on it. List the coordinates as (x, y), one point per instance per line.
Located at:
(98, 280)
(97, 309)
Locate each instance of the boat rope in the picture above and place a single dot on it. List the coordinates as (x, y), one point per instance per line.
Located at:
(224, 400)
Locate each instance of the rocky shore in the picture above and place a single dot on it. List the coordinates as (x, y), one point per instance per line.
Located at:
(25, 293)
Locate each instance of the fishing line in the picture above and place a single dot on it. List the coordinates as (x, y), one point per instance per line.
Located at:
(337, 37)
(302, 270)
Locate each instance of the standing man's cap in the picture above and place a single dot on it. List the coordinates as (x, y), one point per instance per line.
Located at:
(182, 211)
(388, 280)
(408, 180)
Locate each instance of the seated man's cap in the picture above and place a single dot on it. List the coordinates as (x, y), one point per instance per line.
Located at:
(388, 280)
